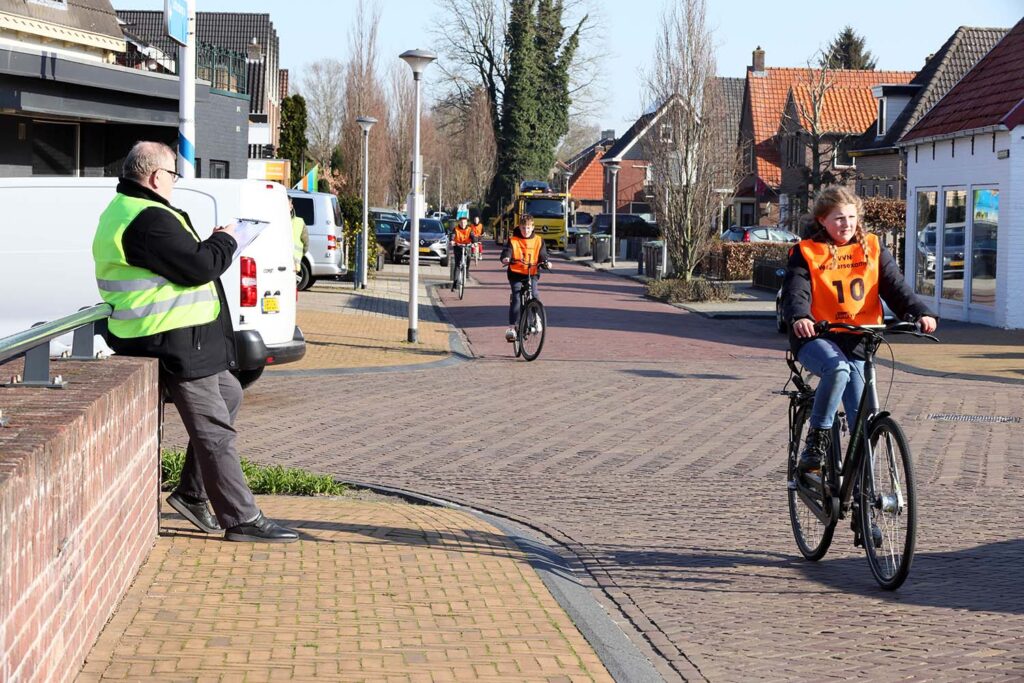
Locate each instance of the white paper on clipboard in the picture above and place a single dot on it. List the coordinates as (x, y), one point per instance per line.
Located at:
(246, 230)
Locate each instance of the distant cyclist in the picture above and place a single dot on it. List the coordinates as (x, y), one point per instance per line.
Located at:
(523, 254)
(478, 230)
(463, 239)
(840, 273)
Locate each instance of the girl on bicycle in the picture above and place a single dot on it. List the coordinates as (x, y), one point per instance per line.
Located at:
(840, 273)
(523, 253)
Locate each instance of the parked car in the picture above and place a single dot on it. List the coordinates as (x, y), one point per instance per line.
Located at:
(322, 215)
(433, 244)
(386, 230)
(626, 225)
(952, 251)
(386, 214)
(758, 233)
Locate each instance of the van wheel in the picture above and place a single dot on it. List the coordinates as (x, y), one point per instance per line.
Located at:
(304, 279)
(247, 377)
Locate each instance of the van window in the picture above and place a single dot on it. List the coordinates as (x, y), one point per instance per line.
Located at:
(304, 209)
(337, 211)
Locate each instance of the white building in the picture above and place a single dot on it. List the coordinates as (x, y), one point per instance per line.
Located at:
(965, 194)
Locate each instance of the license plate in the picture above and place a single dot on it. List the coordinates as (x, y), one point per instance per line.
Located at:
(270, 304)
(424, 250)
(956, 264)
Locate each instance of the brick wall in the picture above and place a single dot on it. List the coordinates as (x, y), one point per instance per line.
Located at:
(79, 486)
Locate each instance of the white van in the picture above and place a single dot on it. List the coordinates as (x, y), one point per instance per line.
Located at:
(46, 267)
(327, 256)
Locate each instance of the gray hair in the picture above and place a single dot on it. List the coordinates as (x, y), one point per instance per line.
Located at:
(144, 158)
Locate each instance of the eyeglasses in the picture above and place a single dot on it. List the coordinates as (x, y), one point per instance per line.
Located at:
(174, 175)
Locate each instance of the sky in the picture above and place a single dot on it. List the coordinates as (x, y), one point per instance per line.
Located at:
(900, 34)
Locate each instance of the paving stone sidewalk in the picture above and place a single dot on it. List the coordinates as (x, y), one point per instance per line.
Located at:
(373, 590)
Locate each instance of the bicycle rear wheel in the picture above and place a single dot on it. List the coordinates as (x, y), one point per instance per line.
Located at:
(813, 535)
(533, 325)
(888, 505)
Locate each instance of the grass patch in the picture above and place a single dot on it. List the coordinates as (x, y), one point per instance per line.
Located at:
(676, 290)
(262, 479)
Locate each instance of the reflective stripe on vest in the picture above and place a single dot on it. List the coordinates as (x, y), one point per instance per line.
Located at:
(525, 251)
(297, 251)
(144, 303)
(463, 235)
(844, 289)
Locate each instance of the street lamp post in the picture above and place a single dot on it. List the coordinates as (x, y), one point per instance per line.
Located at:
(613, 168)
(418, 60)
(366, 123)
(566, 173)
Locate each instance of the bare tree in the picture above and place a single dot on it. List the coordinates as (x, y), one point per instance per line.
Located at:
(323, 86)
(691, 153)
(402, 107)
(468, 149)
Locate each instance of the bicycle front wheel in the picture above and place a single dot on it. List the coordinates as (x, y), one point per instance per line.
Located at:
(533, 325)
(460, 283)
(806, 509)
(888, 505)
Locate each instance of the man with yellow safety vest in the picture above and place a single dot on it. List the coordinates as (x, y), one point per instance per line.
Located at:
(162, 282)
(524, 254)
(300, 238)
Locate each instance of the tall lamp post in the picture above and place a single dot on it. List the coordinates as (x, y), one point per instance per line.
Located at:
(366, 123)
(418, 60)
(566, 173)
(613, 168)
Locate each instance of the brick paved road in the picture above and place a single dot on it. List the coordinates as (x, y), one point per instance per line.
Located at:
(646, 439)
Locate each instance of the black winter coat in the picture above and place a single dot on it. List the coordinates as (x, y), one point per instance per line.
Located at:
(796, 297)
(155, 241)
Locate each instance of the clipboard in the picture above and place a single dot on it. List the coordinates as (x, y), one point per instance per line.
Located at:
(246, 230)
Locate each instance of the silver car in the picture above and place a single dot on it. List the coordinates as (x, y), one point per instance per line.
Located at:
(433, 244)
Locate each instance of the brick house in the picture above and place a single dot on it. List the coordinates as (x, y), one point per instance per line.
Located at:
(881, 165)
(586, 184)
(846, 107)
(250, 34)
(76, 93)
(965, 193)
(764, 123)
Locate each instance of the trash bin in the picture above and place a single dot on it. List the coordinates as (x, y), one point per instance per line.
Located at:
(600, 246)
(583, 243)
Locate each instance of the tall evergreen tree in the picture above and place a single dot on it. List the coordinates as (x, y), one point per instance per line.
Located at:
(847, 52)
(293, 133)
(519, 116)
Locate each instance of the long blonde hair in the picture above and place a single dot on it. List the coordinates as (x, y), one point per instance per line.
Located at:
(828, 199)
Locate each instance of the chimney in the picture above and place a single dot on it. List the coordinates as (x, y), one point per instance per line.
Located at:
(607, 134)
(757, 63)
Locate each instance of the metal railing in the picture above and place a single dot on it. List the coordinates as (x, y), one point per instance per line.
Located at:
(224, 69)
(34, 344)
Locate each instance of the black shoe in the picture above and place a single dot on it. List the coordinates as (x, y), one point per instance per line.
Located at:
(197, 513)
(814, 450)
(261, 530)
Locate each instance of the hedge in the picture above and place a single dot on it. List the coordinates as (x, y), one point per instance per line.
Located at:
(735, 260)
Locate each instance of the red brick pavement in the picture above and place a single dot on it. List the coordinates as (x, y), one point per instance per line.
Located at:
(647, 440)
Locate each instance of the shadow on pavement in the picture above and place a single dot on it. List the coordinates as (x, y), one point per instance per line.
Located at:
(664, 374)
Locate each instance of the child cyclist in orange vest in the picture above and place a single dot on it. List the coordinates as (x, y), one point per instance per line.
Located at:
(840, 273)
(524, 254)
(478, 230)
(463, 238)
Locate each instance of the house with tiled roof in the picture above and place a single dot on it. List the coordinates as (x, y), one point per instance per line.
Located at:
(586, 182)
(824, 115)
(75, 95)
(965, 193)
(250, 34)
(765, 98)
(881, 166)
(634, 180)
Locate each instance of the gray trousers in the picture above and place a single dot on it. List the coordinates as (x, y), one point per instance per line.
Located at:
(212, 470)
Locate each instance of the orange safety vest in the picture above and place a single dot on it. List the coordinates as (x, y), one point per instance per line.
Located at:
(844, 289)
(525, 251)
(478, 229)
(463, 235)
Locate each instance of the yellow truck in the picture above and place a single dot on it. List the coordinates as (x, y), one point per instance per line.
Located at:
(547, 208)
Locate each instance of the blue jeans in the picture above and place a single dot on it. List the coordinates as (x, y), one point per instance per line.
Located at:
(518, 283)
(842, 378)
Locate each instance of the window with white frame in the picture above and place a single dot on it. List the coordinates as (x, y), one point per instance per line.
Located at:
(841, 153)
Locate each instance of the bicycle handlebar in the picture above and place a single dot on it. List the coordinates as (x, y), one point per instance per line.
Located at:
(913, 329)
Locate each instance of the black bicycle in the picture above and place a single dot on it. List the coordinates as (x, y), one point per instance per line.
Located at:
(461, 270)
(532, 323)
(873, 483)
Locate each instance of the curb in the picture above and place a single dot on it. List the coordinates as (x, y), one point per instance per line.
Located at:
(623, 658)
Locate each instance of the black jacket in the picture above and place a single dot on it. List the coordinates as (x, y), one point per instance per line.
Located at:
(796, 297)
(154, 240)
